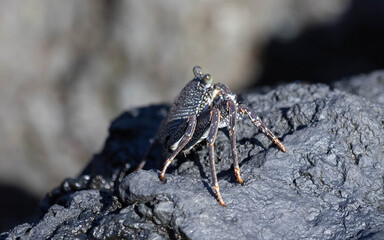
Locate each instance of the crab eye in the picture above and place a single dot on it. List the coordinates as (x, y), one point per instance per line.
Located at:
(208, 78)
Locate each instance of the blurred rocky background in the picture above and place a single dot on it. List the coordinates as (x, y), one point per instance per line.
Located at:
(67, 68)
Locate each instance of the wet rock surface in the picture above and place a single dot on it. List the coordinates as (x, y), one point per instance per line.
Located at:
(329, 184)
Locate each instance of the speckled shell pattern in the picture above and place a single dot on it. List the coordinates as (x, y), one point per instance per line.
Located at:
(194, 99)
(188, 103)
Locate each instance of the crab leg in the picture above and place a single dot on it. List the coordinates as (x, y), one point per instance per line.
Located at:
(184, 140)
(258, 123)
(215, 118)
(144, 159)
(232, 132)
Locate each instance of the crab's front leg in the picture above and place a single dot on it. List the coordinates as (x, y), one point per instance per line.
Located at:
(232, 132)
(258, 123)
(184, 140)
(215, 118)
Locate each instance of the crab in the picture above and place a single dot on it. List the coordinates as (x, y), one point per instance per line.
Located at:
(198, 112)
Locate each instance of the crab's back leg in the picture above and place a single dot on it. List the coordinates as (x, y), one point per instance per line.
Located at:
(215, 118)
(232, 132)
(143, 161)
(184, 140)
(258, 123)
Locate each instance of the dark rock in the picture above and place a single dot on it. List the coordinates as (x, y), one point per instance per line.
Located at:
(17, 207)
(369, 86)
(329, 184)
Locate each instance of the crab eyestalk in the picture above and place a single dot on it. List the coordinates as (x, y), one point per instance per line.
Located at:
(208, 79)
(197, 71)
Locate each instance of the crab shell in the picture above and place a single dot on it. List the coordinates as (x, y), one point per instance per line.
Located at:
(196, 98)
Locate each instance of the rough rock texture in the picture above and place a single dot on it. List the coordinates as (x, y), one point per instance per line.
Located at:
(329, 184)
(67, 68)
(369, 86)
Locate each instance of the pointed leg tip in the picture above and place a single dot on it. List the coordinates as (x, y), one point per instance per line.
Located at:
(216, 189)
(283, 148)
(280, 145)
(241, 181)
(238, 176)
(162, 178)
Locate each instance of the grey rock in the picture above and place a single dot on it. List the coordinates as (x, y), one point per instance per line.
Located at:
(67, 68)
(126, 224)
(369, 86)
(329, 184)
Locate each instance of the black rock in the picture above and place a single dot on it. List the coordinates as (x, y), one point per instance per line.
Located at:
(329, 184)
